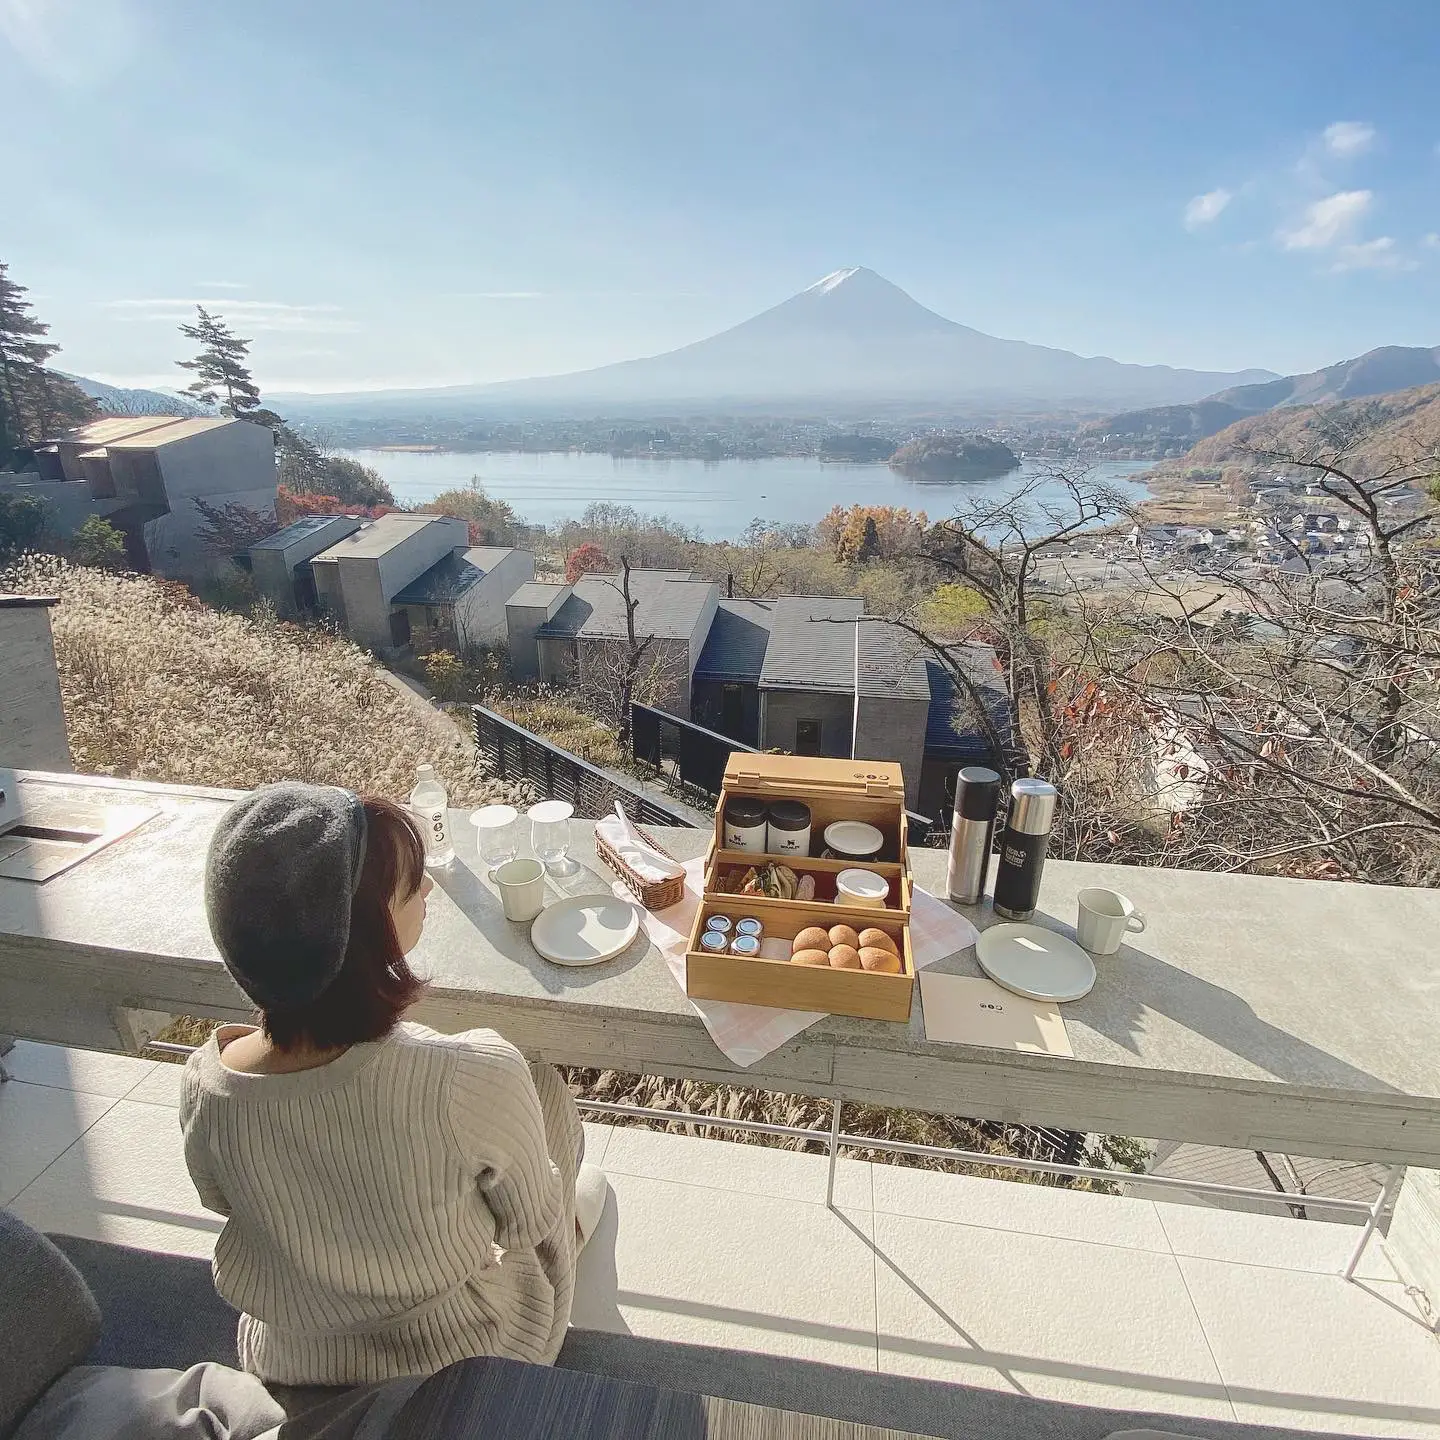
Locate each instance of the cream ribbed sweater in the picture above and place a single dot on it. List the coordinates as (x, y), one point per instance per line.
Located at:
(409, 1204)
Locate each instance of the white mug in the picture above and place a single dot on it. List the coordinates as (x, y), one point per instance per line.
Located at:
(521, 884)
(1105, 919)
(1106, 916)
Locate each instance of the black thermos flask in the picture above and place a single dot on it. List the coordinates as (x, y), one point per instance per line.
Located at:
(1022, 848)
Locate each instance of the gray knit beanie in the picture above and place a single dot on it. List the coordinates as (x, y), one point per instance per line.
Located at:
(283, 867)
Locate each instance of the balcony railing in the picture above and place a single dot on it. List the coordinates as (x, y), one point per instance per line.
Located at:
(513, 753)
(685, 753)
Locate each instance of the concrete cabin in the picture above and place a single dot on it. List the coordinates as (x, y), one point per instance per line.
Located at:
(143, 475)
(392, 583)
(804, 674)
(280, 564)
(582, 638)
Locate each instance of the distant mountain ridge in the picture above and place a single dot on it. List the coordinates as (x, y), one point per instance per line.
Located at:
(1383, 371)
(119, 400)
(1407, 422)
(851, 339)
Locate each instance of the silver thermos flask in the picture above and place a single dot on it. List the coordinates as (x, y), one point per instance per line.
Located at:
(1022, 848)
(977, 798)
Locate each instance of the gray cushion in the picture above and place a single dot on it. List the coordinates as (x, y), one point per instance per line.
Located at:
(105, 1402)
(48, 1317)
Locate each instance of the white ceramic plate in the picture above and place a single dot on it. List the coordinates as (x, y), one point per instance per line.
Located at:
(585, 929)
(1035, 962)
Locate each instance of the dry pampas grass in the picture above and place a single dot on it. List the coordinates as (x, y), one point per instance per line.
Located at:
(157, 686)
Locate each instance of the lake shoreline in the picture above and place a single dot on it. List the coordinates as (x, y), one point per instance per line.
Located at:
(718, 499)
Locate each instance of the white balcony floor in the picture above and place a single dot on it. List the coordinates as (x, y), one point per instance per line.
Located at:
(1121, 1302)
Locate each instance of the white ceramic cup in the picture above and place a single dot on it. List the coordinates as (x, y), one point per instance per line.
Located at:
(521, 884)
(1106, 916)
(861, 887)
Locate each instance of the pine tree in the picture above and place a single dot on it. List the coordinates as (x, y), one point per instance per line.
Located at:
(23, 377)
(220, 366)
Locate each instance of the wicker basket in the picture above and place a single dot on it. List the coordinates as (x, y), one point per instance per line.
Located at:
(652, 894)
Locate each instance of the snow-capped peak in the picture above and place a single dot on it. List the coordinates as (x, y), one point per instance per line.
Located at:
(832, 281)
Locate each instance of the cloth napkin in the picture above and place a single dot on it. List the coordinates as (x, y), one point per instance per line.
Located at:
(747, 1033)
(646, 861)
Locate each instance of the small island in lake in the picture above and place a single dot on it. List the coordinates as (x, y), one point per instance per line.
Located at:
(954, 457)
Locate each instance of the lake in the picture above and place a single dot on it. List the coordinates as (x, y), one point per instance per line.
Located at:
(717, 498)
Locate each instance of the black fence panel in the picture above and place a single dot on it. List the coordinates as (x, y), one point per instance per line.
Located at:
(515, 754)
(695, 758)
(680, 749)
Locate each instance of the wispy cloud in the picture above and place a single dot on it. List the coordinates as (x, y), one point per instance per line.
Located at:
(1346, 138)
(220, 285)
(247, 315)
(1328, 221)
(1377, 254)
(1432, 240)
(1207, 207)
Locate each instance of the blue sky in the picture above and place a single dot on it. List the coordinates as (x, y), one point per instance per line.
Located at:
(432, 193)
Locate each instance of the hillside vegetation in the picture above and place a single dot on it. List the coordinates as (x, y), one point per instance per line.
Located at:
(1408, 423)
(157, 686)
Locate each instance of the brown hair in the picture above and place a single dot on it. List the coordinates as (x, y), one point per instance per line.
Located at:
(375, 985)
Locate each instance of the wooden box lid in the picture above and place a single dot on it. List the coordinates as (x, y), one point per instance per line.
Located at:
(794, 775)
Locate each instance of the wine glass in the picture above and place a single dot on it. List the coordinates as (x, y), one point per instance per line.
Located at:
(550, 835)
(495, 835)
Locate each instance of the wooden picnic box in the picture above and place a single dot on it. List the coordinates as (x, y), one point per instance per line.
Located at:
(868, 790)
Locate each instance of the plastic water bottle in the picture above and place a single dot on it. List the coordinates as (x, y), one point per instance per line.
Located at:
(428, 805)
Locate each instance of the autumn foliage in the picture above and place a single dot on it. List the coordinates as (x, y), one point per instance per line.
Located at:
(585, 559)
(292, 505)
(858, 533)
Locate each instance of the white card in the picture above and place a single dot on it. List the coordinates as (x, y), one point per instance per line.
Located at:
(966, 1010)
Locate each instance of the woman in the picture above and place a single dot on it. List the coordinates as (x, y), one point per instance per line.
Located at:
(395, 1199)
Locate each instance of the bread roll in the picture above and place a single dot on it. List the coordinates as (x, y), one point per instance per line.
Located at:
(878, 940)
(811, 938)
(845, 957)
(810, 957)
(872, 957)
(844, 935)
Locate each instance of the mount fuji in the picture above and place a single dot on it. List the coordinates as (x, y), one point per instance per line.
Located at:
(851, 339)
